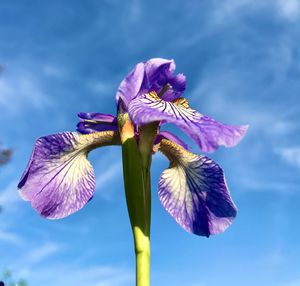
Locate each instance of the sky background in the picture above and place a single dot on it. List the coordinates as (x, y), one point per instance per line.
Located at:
(242, 62)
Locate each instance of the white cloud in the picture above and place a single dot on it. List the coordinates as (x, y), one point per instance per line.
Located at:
(10, 237)
(20, 90)
(66, 274)
(54, 71)
(104, 177)
(41, 253)
(225, 10)
(229, 9)
(99, 87)
(289, 9)
(293, 283)
(112, 171)
(9, 195)
(291, 155)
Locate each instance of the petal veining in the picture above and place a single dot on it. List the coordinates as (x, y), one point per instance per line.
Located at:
(153, 74)
(208, 133)
(194, 192)
(59, 179)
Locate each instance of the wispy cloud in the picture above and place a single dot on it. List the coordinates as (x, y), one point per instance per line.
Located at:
(100, 87)
(77, 275)
(21, 90)
(289, 9)
(9, 195)
(112, 171)
(41, 253)
(291, 155)
(103, 178)
(292, 283)
(11, 237)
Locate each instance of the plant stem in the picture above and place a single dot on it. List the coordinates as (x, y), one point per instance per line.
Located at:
(142, 254)
(138, 202)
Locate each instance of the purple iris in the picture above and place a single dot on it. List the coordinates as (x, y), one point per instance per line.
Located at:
(59, 180)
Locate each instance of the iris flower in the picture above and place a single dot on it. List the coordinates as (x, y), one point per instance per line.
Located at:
(59, 180)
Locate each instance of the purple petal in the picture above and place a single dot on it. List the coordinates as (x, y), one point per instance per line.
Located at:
(178, 84)
(130, 86)
(59, 180)
(194, 192)
(158, 69)
(95, 122)
(158, 73)
(208, 133)
(152, 75)
(89, 127)
(98, 117)
(170, 136)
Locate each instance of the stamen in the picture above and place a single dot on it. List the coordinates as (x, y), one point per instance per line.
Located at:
(164, 89)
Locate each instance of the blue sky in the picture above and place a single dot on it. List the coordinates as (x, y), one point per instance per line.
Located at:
(242, 62)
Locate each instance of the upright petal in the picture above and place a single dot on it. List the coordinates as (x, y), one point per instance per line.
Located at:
(159, 73)
(130, 86)
(194, 191)
(157, 70)
(59, 179)
(153, 74)
(208, 133)
(94, 122)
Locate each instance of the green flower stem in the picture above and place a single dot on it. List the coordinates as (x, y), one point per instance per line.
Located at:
(147, 136)
(138, 202)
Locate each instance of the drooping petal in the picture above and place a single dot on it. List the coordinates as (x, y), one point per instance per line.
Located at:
(94, 122)
(59, 179)
(208, 133)
(194, 192)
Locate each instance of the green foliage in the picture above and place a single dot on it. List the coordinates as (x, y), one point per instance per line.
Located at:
(9, 280)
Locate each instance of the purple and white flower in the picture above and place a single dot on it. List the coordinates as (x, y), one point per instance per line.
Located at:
(59, 179)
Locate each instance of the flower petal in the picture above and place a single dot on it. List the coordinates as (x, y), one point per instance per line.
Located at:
(154, 74)
(97, 117)
(194, 192)
(170, 136)
(157, 68)
(208, 133)
(59, 180)
(90, 127)
(158, 73)
(130, 86)
(94, 122)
